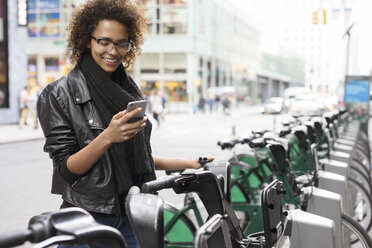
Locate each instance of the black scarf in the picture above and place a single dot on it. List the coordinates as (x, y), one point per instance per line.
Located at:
(132, 160)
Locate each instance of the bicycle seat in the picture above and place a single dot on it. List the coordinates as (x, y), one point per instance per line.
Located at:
(301, 134)
(145, 213)
(310, 131)
(328, 117)
(318, 125)
(259, 131)
(287, 123)
(246, 139)
(257, 143)
(336, 113)
(280, 155)
(284, 131)
(342, 110)
(227, 144)
(268, 136)
(285, 143)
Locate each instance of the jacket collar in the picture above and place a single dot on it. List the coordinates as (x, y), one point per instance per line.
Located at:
(80, 92)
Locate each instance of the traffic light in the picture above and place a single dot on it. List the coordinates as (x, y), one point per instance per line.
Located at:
(324, 16)
(315, 17)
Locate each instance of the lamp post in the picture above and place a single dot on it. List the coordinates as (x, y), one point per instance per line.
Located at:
(347, 33)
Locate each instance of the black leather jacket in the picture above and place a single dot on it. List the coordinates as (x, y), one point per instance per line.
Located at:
(70, 121)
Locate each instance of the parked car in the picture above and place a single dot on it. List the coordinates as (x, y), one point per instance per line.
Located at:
(306, 104)
(273, 105)
(291, 93)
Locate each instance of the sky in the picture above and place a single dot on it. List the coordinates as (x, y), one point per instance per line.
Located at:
(361, 34)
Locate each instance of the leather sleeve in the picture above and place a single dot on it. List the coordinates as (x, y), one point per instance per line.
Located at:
(60, 136)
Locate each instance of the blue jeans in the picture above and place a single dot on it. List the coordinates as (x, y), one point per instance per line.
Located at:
(120, 222)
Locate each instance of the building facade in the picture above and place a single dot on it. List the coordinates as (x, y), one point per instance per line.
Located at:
(197, 45)
(47, 22)
(13, 61)
(192, 47)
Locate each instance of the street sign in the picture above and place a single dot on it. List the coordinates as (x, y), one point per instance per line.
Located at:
(356, 96)
(357, 89)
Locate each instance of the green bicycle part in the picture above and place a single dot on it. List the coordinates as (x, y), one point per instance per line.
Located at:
(178, 229)
(254, 213)
(252, 221)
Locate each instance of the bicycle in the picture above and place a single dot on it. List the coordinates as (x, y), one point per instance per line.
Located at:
(282, 172)
(213, 191)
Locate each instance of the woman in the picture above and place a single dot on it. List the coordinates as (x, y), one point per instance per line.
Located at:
(27, 105)
(97, 155)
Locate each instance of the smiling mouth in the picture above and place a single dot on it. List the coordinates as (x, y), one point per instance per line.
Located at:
(110, 61)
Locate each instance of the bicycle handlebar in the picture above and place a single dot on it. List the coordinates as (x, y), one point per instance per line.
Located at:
(159, 184)
(72, 225)
(228, 144)
(14, 239)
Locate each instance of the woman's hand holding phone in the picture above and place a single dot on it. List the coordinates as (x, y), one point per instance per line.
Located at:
(121, 129)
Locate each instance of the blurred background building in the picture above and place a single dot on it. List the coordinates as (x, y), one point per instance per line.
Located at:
(13, 59)
(193, 48)
(196, 45)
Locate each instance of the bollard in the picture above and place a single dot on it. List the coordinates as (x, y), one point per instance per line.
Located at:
(233, 131)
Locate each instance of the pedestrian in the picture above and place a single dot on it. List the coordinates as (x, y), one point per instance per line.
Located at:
(201, 104)
(217, 102)
(164, 103)
(211, 103)
(156, 102)
(27, 103)
(97, 155)
(226, 104)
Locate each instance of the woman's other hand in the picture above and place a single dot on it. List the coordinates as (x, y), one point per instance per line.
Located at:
(197, 163)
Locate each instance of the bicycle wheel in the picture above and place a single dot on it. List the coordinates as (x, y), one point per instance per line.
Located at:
(362, 205)
(181, 233)
(357, 164)
(359, 176)
(363, 158)
(358, 235)
(238, 194)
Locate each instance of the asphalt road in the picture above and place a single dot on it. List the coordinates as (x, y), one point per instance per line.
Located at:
(25, 170)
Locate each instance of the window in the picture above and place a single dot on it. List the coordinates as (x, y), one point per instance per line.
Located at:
(175, 20)
(44, 18)
(175, 63)
(51, 64)
(149, 63)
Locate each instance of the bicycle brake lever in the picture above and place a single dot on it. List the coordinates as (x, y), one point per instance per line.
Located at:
(186, 178)
(54, 240)
(203, 161)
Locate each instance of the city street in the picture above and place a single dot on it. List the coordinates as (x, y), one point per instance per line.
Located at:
(25, 176)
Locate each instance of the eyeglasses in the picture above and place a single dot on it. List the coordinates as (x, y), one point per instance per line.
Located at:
(106, 45)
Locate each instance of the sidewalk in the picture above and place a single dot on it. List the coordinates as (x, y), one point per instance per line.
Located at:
(12, 133)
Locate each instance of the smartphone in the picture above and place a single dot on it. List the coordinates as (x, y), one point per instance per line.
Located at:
(134, 105)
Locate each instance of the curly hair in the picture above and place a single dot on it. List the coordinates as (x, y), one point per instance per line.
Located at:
(86, 18)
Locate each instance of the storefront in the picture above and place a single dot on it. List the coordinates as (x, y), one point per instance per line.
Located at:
(47, 22)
